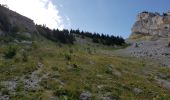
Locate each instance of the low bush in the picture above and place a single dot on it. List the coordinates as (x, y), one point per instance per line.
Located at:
(10, 51)
(68, 57)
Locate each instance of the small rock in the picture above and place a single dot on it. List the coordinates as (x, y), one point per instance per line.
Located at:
(40, 65)
(108, 96)
(10, 85)
(4, 97)
(92, 62)
(99, 76)
(85, 96)
(100, 86)
(163, 83)
(137, 90)
(117, 73)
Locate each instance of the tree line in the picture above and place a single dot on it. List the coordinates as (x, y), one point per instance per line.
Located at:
(100, 38)
(63, 36)
(68, 36)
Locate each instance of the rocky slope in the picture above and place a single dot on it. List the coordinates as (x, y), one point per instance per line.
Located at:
(158, 50)
(150, 38)
(152, 24)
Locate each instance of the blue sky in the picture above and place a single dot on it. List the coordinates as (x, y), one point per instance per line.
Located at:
(114, 17)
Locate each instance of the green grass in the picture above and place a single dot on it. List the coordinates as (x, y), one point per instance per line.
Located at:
(72, 69)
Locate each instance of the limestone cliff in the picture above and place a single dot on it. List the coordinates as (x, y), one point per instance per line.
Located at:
(152, 24)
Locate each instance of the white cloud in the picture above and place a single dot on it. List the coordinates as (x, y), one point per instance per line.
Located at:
(41, 11)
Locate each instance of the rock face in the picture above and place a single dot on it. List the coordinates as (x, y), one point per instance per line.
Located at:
(150, 38)
(15, 20)
(152, 24)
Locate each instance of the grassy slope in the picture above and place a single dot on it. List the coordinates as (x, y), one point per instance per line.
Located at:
(71, 70)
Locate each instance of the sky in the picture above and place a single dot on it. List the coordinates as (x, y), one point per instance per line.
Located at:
(113, 17)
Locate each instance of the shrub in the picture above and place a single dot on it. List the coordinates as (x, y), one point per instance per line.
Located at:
(6, 38)
(66, 94)
(20, 37)
(89, 51)
(10, 51)
(71, 50)
(34, 45)
(68, 57)
(165, 14)
(25, 56)
(5, 92)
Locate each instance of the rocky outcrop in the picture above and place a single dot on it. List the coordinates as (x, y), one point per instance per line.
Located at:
(10, 20)
(150, 38)
(151, 24)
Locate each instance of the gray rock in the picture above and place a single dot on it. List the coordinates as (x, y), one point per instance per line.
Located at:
(137, 90)
(156, 50)
(33, 80)
(40, 65)
(19, 21)
(4, 97)
(163, 83)
(108, 96)
(85, 96)
(152, 24)
(10, 85)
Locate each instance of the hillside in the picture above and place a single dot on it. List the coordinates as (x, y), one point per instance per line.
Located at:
(75, 65)
(47, 70)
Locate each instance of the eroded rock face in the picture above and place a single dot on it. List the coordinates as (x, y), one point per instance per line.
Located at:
(16, 22)
(152, 24)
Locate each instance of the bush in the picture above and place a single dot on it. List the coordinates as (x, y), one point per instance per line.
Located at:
(6, 38)
(25, 56)
(71, 51)
(34, 45)
(10, 51)
(68, 57)
(66, 94)
(89, 51)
